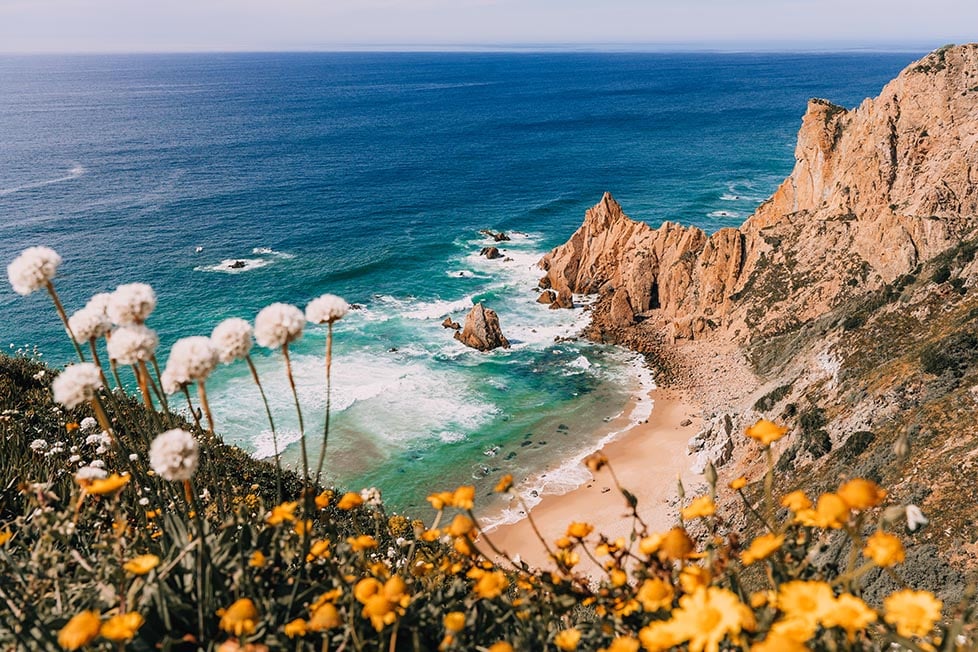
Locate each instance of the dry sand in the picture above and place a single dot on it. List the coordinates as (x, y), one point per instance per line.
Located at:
(647, 459)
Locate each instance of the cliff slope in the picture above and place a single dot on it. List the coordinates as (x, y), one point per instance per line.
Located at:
(874, 192)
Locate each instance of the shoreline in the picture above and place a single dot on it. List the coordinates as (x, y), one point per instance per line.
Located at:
(647, 458)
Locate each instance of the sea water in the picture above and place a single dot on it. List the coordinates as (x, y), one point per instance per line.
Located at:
(232, 181)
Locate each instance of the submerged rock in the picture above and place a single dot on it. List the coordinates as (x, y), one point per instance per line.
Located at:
(481, 330)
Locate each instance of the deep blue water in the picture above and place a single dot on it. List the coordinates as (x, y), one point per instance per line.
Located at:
(369, 175)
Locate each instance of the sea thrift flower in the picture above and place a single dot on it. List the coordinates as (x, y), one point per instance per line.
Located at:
(191, 359)
(173, 455)
(80, 630)
(88, 324)
(39, 445)
(278, 324)
(326, 309)
(132, 344)
(33, 269)
(99, 303)
(371, 496)
(232, 339)
(88, 424)
(76, 384)
(915, 518)
(131, 303)
(87, 474)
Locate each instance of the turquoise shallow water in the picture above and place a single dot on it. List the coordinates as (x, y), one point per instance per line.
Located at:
(369, 176)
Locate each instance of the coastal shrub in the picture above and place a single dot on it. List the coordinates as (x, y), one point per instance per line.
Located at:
(941, 274)
(126, 526)
(951, 355)
(767, 402)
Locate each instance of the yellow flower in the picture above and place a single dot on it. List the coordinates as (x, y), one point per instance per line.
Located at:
(761, 548)
(454, 621)
(324, 617)
(303, 526)
(830, 512)
(884, 549)
(349, 501)
(739, 483)
(659, 635)
(460, 525)
(913, 613)
(240, 618)
(766, 432)
(861, 494)
(675, 545)
(796, 631)
(650, 545)
(142, 564)
(567, 639)
(109, 485)
(322, 500)
(501, 646)
(80, 630)
(257, 559)
(778, 643)
(579, 530)
(504, 484)
(655, 594)
(122, 628)
(297, 627)
(362, 542)
(71, 426)
(491, 585)
(618, 577)
(701, 507)
(282, 513)
(5, 536)
(796, 501)
(319, 550)
(708, 616)
(622, 644)
(806, 601)
(366, 588)
(440, 499)
(463, 497)
(692, 578)
(851, 614)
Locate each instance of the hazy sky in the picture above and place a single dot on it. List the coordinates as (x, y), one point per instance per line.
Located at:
(179, 25)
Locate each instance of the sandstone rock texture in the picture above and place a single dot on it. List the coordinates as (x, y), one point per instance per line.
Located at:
(481, 330)
(875, 191)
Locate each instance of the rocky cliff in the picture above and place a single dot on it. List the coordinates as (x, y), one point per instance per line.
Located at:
(845, 308)
(874, 192)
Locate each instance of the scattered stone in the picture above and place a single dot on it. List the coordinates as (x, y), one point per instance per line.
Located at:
(490, 252)
(564, 300)
(481, 330)
(238, 264)
(685, 422)
(498, 237)
(548, 297)
(448, 323)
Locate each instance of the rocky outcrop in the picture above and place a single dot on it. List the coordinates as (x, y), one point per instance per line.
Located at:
(448, 323)
(875, 191)
(547, 297)
(490, 252)
(481, 330)
(498, 237)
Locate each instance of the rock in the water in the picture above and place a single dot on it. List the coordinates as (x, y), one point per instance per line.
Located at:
(564, 300)
(498, 237)
(490, 253)
(238, 264)
(548, 297)
(481, 330)
(544, 283)
(448, 323)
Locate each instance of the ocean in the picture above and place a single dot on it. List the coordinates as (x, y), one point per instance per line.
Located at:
(370, 176)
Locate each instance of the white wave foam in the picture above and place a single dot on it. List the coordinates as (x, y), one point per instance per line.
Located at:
(266, 251)
(580, 362)
(724, 214)
(73, 173)
(264, 442)
(235, 265)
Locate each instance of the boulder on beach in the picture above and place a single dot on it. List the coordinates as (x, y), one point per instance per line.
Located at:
(481, 330)
(490, 253)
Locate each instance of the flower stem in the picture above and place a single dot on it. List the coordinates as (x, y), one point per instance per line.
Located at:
(143, 386)
(298, 411)
(202, 393)
(193, 411)
(64, 318)
(161, 393)
(271, 423)
(329, 360)
(98, 363)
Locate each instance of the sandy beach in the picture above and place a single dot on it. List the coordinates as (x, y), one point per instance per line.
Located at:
(647, 459)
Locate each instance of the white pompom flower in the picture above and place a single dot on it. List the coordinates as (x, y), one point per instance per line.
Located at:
(76, 384)
(278, 324)
(100, 303)
(326, 309)
(192, 359)
(171, 382)
(131, 303)
(88, 324)
(174, 454)
(132, 344)
(33, 269)
(232, 339)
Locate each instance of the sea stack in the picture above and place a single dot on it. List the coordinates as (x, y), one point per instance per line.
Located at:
(481, 330)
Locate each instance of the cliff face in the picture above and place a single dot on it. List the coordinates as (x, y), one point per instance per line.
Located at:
(874, 192)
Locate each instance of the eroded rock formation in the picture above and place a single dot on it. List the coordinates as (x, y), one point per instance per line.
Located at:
(481, 330)
(875, 191)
